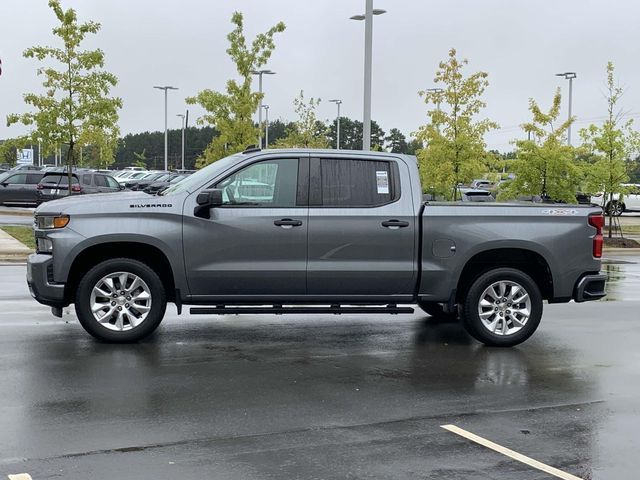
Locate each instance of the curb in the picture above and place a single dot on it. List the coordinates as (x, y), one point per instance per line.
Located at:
(16, 213)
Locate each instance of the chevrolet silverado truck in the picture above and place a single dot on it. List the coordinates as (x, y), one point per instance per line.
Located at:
(311, 231)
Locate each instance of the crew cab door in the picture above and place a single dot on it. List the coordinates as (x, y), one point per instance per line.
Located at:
(255, 244)
(362, 228)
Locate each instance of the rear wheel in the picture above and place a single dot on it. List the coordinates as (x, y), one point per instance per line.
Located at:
(120, 300)
(503, 307)
(614, 208)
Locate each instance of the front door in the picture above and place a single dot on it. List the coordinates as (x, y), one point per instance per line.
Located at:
(362, 228)
(255, 244)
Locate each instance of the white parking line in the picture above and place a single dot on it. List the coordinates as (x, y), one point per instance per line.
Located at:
(510, 453)
(20, 476)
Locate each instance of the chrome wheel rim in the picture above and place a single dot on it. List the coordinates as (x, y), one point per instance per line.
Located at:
(504, 307)
(120, 301)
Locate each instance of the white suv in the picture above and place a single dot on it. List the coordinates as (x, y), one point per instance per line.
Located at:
(630, 201)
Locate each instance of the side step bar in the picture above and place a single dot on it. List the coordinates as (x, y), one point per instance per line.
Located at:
(279, 310)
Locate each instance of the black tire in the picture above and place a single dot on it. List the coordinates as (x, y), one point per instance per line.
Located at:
(614, 208)
(471, 316)
(133, 333)
(436, 310)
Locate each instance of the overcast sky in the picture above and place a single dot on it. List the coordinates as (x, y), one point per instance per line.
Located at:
(520, 44)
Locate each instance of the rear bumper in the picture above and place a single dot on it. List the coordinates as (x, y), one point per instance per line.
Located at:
(590, 287)
(40, 281)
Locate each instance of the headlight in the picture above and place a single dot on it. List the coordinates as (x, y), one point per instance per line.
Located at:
(50, 222)
(44, 245)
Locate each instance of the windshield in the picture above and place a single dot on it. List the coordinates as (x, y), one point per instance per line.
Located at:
(198, 178)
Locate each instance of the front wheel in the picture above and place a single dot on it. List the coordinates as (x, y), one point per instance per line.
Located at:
(503, 307)
(120, 300)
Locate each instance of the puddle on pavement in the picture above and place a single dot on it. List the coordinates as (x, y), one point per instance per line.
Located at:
(623, 281)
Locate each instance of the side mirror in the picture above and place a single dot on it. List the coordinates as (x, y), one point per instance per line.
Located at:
(4, 184)
(120, 187)
(206, 200)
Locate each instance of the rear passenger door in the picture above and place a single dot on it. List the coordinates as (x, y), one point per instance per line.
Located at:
(31, 191)
(362, 228)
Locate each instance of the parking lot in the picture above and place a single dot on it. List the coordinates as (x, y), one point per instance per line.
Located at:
(320, 396)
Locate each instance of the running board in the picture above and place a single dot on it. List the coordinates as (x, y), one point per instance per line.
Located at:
(279, 310)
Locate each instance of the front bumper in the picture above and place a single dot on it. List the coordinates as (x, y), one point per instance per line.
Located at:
(590, 287)
(40, 281)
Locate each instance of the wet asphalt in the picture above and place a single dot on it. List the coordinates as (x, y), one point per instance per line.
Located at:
(320, 397)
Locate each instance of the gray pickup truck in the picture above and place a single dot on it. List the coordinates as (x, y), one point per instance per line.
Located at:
(311, 231)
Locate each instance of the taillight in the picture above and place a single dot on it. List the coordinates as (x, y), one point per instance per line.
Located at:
(75, 188)
(596, 220)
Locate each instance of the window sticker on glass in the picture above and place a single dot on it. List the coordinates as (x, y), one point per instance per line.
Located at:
(382, 181)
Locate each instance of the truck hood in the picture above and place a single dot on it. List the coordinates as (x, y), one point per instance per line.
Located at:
(97, 203)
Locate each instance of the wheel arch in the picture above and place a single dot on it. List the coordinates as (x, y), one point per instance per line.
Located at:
(148, 254)
(528, 261)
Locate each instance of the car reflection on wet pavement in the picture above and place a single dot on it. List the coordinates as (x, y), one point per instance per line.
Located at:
(320, 396)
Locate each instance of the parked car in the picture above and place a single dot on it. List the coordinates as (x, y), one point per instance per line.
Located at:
(629, 202)
(20, 168)
(482, 183)
(54, 185)
(19, 187)
(338, 232)
(135, 169)
(128, 176)
(159, 186)
(475, 195)
(144, 181)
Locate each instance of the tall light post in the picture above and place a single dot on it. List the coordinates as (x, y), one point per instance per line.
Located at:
(368, 41)
(182, 116)
(166, 138)
(338, 102)
(260, 73)
(266, 125)
(39, 152)
(569, 76)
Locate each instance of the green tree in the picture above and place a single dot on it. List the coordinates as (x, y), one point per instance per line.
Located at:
(454, 149)
(351, 134)
(76, 106)
(307, 131)
(612, 144)
(231, 112)
(545, 164)
(396, 141)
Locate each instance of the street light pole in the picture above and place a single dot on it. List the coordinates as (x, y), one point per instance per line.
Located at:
(182, 116)
(166, 137)
(266, 125)
(338, 102)
(569, 76)
(368, 47)
(260, 73)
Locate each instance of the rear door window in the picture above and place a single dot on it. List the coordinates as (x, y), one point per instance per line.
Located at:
(33, 178)
(100, 180)
(355, 183)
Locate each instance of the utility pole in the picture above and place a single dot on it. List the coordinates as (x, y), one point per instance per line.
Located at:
(166, 137)
(338, 102)
(569, 76)
(182, 116)
(260, 73)
(368, 47)
(266, 126)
